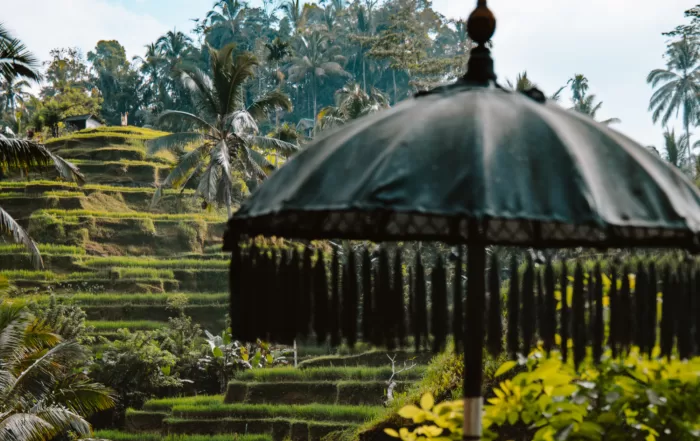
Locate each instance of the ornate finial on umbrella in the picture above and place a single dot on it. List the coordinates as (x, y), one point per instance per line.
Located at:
(481, 26)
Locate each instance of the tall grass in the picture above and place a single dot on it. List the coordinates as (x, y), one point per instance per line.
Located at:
(124, 129)
(132, 215)
(88, 187)
(48, 194)
(150, 262)
(168, 403)
(45, 248)
(127, 162)
(114, 435)
(85, 299)
(105, 325)
(322, 412)
(120, 273)
(326, 374)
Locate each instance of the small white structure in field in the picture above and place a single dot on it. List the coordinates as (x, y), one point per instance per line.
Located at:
(81, 122)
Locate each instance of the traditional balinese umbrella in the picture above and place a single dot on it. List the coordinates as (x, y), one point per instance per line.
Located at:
(469, 163)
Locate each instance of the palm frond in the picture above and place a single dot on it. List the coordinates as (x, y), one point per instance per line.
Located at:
(25, 154)
(200, 84)
(208, 183)
(271, 101)
(78, 394)
(181, 173)
(274, 144)
(179, 115)
(173, 141)
(25, 427)
(10, 227)
(16, 60)
(242, 122)
(62, 419)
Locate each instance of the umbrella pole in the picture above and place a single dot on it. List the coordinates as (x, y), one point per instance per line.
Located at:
(474, 341)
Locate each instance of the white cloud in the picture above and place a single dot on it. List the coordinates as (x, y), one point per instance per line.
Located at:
(46, 24)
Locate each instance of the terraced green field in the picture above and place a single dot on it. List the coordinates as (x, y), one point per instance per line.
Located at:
(284, 403)
(105, 247)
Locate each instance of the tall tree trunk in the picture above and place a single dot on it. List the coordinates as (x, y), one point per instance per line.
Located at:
(687, 147)
(313, 89)
(393, 74)
(228, 209)
(364, 74)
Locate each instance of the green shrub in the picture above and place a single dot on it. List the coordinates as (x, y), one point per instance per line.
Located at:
(635, 398)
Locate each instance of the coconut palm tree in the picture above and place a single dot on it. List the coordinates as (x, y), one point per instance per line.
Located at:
(583, 102)
(21, 154)
(588, 106)
(677, 149)
(352, 103)
(579, 87)
(15, 59)
(316, 59)
(295, 12)
(680, 85)
(523, 84)
(225, 132)
(13, 93)
(224, 23)
(151, 66)
(40, 394)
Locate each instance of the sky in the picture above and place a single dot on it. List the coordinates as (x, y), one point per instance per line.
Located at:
(615, 43)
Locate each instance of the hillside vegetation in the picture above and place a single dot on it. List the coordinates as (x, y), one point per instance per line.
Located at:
(105, 248)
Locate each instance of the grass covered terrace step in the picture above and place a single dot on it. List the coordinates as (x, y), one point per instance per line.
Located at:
(355, 373)
(371, 393)
(370, 358)
(308, 412)
(280, 429)
(114, 435)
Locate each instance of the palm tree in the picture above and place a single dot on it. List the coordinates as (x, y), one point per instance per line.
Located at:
(579, 87)
(315, 59)
(15, 59)
(21, 154)
(295, 12)
(589, 106)
(584, 103)
(173, 45)
(523, 84)
(224, 23)
(680, 90)
(677, 149)
(225, 132)
(151, 67)
(352, 103)
(13, 93)
(41, 396)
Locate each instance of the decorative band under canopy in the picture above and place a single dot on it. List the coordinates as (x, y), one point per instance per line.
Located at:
(382, 226)
(580, 308)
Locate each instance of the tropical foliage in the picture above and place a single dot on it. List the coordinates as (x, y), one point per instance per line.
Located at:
(543, 398)
(225, 132)
(41, 393)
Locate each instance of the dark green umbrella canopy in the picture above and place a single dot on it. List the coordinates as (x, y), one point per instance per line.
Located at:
(527, 172)
(469, 163)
